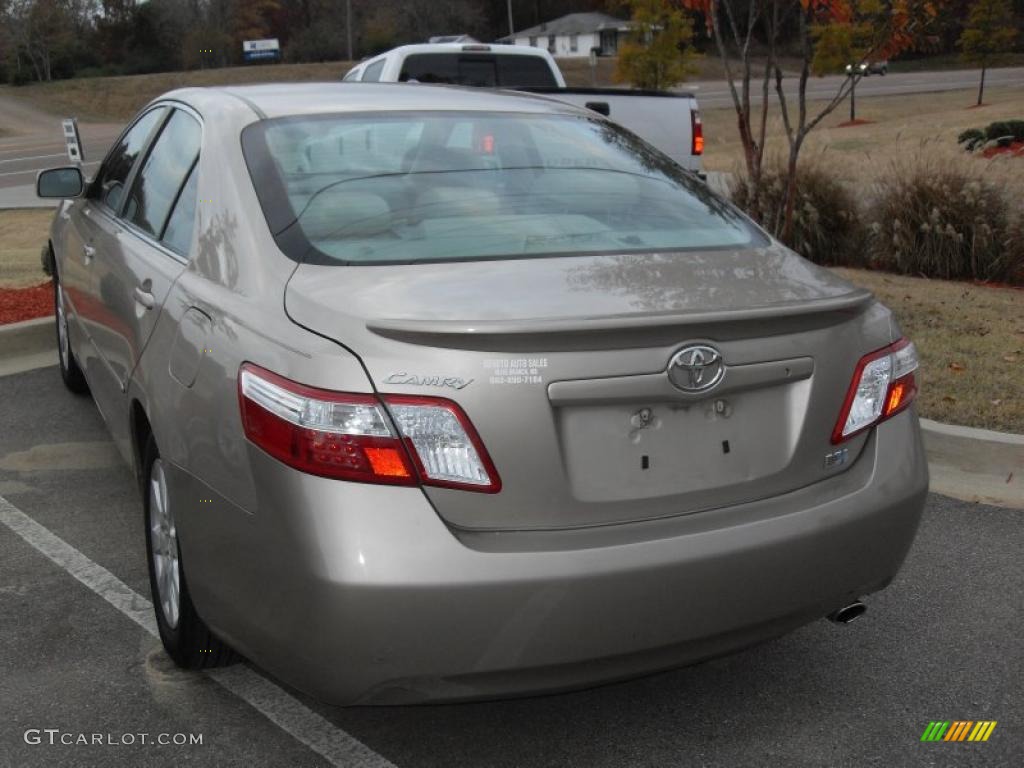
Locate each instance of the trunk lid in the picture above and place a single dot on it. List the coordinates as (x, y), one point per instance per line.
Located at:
(562, 366)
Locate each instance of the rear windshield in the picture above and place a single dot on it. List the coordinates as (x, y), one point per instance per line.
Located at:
(413, 187)
(480, 70)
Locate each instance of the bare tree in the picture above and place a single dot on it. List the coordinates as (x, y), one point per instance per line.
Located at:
(830, 33)
(39, 28)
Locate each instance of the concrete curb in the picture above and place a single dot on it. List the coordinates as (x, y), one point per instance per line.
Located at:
(976, 465)
(27, 345)
(966, 463)
(971, 433)
(27, 337)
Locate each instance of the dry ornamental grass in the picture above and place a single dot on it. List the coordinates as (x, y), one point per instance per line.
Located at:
(971, 342)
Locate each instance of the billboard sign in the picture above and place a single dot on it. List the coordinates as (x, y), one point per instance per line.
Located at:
(261, 50)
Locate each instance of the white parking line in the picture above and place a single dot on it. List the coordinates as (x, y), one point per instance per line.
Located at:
(42, 168)
(7, 149)
(273, 702)
(31, 157)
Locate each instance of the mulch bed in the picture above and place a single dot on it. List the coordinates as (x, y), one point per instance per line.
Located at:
(1015, 149)
(18, 304)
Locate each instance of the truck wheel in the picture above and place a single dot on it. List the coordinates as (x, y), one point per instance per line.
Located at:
(72, 375)
(185, 636)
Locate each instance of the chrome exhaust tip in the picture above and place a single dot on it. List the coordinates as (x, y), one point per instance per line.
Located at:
(848, 613)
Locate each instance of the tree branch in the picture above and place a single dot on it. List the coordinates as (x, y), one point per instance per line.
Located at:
(783, 105)
(724, 53)
(732, 24)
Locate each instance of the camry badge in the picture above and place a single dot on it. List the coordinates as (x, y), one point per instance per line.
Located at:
(412, 380)
(696, 368)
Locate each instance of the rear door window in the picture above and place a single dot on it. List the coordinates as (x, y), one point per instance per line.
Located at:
(372, 72)
(157, 185)
(178, 232)
(108, 187)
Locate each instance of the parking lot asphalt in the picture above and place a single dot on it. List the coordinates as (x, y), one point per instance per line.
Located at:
(943, 642)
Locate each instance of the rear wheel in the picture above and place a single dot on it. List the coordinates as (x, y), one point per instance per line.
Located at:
(185, 636)
(72, 375)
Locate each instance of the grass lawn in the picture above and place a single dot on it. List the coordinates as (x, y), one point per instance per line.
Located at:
(22, 235)
(971, 342)
(118, 98)
(970, 337)
(901, 127)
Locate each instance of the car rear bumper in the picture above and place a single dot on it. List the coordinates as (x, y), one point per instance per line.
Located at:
(360, 593)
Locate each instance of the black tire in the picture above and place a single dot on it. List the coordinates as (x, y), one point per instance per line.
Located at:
(185, 637)
(70, 373)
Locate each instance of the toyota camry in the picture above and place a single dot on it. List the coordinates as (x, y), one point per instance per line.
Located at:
(436, 393)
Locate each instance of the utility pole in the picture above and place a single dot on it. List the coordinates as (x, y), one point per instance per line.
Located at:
(851, 72)
(511, 24)
(853, 98)
(348, 27)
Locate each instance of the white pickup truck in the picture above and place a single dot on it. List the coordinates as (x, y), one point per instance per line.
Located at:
(668, 121)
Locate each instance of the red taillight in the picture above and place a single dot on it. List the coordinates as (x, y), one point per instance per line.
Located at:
(345, 436)
(883, 385)
(697, 132)
(359, 437)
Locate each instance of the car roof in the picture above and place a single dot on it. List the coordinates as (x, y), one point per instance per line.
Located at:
(498, 48)
(284, 99)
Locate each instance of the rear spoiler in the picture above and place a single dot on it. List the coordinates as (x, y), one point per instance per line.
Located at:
(418, 330)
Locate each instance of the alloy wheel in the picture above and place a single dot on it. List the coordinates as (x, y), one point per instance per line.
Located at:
(164, 541)
(62, 330)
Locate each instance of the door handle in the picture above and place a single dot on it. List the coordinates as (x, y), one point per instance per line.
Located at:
(88, 252)
(144, 297)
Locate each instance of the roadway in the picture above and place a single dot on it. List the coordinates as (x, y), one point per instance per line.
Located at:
(713, 94)
(31, 140)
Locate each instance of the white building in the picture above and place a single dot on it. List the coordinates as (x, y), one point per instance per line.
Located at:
(575, 35)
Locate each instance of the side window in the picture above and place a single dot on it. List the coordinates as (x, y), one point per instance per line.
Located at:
(108, 187)
(372, 72)
(178, 234)
(156, 186)
(352, 74)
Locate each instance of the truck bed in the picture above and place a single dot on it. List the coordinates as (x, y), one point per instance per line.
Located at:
(661, 118)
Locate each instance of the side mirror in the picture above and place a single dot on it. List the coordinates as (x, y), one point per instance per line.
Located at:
(60, 183)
